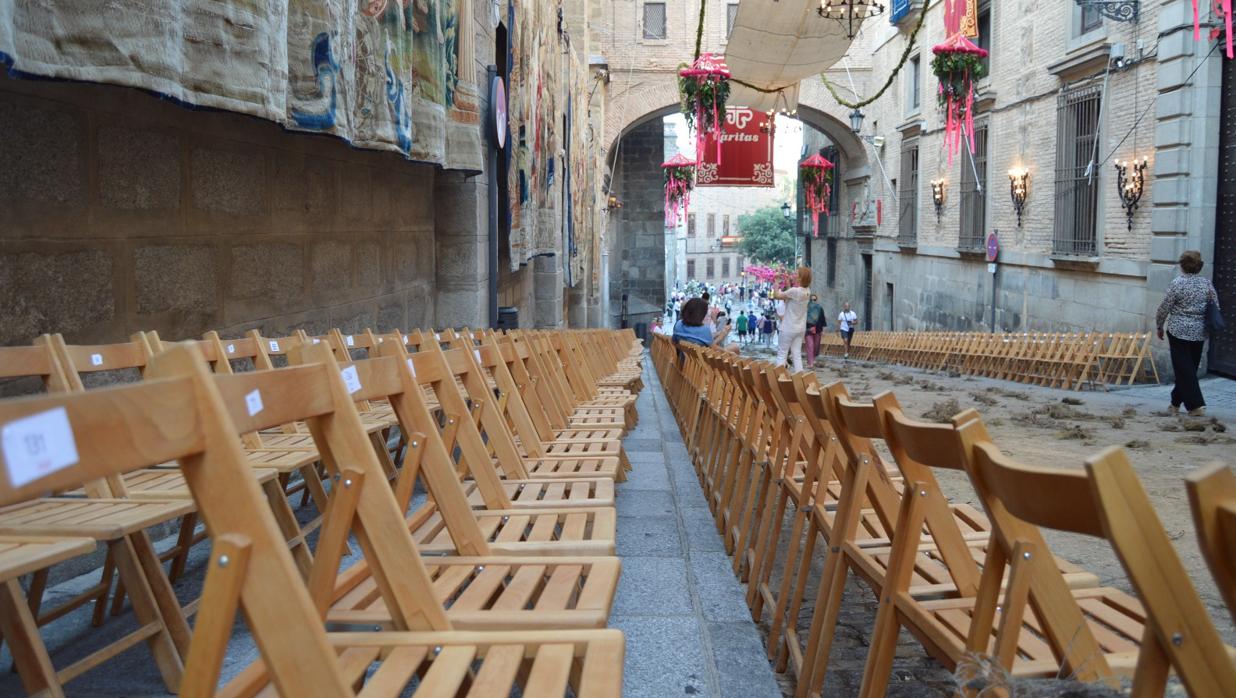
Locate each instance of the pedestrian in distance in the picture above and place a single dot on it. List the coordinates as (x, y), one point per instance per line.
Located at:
(815, 328)
(741, 325)
(847, 325)
(1186, 316)
(794, 320)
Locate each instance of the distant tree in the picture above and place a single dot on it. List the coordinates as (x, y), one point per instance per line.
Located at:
(767, 236)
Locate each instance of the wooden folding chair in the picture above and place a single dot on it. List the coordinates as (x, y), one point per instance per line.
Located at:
(103, 514)
(182, 414)
(1077, 631)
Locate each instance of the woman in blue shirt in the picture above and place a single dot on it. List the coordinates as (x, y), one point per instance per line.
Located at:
(690, 328)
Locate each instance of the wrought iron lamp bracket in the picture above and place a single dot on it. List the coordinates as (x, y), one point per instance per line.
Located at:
(1115, 10)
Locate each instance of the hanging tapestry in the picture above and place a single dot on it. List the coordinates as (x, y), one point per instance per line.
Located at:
(381, 74)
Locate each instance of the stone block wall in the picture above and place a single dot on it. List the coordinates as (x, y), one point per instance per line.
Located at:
(637, 230)
(122, 212)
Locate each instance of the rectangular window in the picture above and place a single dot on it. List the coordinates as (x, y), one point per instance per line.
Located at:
(712, 225)
(984, 30)
(914, 77)
(741, 265)
(1090, 19)
(731, 12)
(654, 20)
(725, 224)
(725, 267)
(710, 267)
(1077, 192)
(832, 262)
(690, 225)
(907, 231)
(690, 269)
(973, 194)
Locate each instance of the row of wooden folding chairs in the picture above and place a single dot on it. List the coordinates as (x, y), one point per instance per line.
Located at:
(445, 524)
(1066, 360)
(980, 591)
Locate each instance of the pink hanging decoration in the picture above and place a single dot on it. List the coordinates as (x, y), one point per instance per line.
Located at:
(815, 173)
(958, 63)
(1222, 8)
(679, 181)
(705, 88)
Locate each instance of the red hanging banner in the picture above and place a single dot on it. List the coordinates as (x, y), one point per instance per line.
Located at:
(746, 152)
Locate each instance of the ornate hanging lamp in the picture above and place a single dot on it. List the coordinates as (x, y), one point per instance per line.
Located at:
(958, 63)
(849, 13)
(816, 175)
(704, 87)
(679, 181)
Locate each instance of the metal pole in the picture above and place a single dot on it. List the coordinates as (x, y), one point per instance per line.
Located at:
(491, 164)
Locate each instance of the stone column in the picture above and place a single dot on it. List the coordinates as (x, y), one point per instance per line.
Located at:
(462, 240)
(547, 294)
(637, 257)
(1186, 160)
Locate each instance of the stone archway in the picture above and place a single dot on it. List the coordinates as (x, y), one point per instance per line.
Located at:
(636, 233)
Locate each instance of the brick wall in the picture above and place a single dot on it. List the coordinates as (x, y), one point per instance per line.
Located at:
(122, 212)
(637, 233)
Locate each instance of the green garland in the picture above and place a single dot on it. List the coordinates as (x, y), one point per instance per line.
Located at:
(957, 70)
(905, 55)
(685, 173)
(694, 91)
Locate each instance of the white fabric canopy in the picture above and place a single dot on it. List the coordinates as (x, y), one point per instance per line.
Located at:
(777, 44)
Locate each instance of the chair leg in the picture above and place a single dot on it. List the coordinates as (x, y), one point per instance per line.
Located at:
(34, 666)
(169, 658)
(184, 541)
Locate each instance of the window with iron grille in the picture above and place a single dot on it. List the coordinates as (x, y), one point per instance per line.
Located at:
(690, 225)
(712, 225)
(654, 20)
(690, 269)
(831, 270)
(725, 224)
(710, 267)
(907, 232)
(731, 12)
(833, 222)
(1077, 186)
(973, 194)
(725, 267)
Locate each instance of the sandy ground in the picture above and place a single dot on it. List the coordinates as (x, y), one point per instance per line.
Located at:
(1041, 426)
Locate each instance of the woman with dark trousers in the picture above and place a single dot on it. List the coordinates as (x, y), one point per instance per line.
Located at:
(1183, 313)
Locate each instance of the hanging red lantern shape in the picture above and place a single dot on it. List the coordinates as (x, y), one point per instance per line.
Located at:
(679, 181)
(704, 87)
(957, 64)
(1222, 8)
(816, 176)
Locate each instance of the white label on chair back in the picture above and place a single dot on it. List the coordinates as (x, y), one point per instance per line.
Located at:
(231, 348)
(437, 336)
(477, 354)
(405, 339)
(96, 359)
(350, 379)
(348, 339)
(274, 346)
(316, 340)
(38, 445)
(412, 367)
(253, 400)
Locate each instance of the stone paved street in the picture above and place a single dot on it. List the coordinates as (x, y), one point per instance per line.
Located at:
(688, 628)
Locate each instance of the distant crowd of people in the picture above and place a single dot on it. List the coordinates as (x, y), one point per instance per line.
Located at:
(731, 316)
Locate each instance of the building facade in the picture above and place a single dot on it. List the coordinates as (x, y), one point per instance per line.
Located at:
(1068, 94)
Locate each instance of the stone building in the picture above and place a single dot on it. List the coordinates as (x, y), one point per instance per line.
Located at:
(198, 202)
(1065, 87)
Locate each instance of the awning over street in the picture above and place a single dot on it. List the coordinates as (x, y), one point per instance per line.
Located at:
(775, 45)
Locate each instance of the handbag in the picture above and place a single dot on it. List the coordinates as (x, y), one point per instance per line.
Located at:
(1213, 318)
